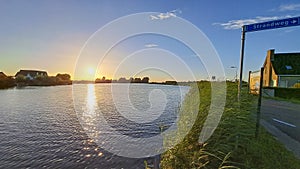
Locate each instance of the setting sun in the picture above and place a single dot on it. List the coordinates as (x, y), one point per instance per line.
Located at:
(91, 71)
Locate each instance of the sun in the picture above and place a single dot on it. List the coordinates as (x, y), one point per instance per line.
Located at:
(91, 71)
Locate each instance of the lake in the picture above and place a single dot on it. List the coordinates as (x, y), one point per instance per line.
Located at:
(85, 125)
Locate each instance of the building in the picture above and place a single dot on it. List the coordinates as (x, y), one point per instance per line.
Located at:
(281, 69)
(31, 74)
(2, 75)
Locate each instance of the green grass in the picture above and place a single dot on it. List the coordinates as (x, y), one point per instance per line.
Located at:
(233, 144)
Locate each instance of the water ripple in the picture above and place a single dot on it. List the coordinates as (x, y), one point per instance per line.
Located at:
(39, 129)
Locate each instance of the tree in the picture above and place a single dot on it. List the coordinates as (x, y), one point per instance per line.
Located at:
(145, 80)
(20, 78)
(63, 77)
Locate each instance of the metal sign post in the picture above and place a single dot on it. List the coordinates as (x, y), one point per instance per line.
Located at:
(295, 21)
(241, 62)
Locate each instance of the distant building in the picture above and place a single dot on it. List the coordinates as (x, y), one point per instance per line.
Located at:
(31, 74)
(6, 81)
(2, 75)
(281, 69)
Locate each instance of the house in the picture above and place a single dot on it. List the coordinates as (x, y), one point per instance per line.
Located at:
(31, 74)
(2, 75)
(281, 69)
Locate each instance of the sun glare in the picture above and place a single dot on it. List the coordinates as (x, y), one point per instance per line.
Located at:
(91, 71)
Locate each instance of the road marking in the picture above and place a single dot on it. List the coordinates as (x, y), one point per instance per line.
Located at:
(282, 122)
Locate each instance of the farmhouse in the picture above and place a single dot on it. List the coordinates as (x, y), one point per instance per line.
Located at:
(31, 74)
(2, 75)
(281, 69)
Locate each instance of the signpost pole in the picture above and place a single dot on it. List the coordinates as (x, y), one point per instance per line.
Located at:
(249, 78)
(241, 62)
(259, 102)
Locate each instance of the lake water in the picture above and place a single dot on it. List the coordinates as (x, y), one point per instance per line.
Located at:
(63, 126)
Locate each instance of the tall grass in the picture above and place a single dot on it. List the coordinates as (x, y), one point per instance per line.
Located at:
(233, 144)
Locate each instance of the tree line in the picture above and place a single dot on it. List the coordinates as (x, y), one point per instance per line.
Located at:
(59, 79)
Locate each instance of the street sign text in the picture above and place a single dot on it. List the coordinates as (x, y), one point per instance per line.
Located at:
(273, 24)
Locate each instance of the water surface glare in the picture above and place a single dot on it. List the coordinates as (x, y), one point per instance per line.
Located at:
(39, 127)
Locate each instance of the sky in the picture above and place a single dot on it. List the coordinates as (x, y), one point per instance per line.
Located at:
(59, 35)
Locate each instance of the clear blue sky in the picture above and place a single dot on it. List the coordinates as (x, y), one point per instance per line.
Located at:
(49, 34)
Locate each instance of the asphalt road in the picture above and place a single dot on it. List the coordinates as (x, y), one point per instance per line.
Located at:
(283, 120)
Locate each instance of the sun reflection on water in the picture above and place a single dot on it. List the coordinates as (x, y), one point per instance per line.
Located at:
(91, 101)
(89, 119)
(90, 114)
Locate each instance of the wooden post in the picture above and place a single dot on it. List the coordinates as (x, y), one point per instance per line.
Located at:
(259, 102)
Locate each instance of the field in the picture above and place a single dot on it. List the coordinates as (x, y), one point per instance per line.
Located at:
(233, 144)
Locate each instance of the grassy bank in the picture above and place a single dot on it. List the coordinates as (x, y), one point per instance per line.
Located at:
(233, 144)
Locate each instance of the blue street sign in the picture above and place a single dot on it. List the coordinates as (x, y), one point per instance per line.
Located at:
(273, 24)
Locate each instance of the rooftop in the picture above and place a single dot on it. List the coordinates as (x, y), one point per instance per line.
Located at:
(286, 63)
(2, 75)
(31, 73)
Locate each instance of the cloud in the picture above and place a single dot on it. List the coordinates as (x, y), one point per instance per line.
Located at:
(151, 45)
(237, 24)
(289, 7)
(166, 15)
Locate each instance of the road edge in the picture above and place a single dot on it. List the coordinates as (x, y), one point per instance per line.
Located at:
(290, 143)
